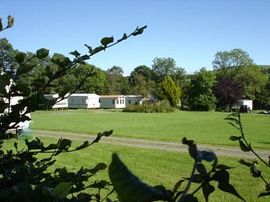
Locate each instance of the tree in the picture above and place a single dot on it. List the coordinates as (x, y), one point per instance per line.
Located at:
(201, 95)
(141, 81)
(233, 58)
(170, 91)
(94, 84)
(252, 79)
(116, 83)
(228, 92)
(116, 70)
(163, 67)
(262, 100)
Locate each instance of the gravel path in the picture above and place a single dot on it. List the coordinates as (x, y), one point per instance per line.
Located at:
(151, 144)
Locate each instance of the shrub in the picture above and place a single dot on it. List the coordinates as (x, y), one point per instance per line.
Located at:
(150, 107)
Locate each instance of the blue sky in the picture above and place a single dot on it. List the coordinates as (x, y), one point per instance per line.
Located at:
(189, 31)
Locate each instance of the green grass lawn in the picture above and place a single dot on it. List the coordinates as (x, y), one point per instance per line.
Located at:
(203, 127)
(161, 167)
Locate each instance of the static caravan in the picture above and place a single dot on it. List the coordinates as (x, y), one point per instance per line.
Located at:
(245, 102)
(244, 105)
(60, 104)
(112, 101)
(83, 101)
(133, 99)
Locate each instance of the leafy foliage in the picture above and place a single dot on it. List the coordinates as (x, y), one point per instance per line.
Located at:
(150, 107)
(170, 91)
(235, 120)
(23, 175)
(228, 92)
(201, 96)
(141, 81)
(233, 58)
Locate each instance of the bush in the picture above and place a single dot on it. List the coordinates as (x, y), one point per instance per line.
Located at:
(150, 107)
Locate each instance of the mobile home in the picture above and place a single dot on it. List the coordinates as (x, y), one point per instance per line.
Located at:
(112, 101)
(83, 101)
(60, 104)
(133, 99)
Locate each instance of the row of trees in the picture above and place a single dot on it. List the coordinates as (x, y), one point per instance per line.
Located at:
(234, 76)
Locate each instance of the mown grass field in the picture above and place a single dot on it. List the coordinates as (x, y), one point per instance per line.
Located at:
(160, 167)
(203, 127)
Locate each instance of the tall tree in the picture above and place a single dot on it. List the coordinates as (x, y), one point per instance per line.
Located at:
(201, 96)
(116, 83)
(94, 84)
(233, 58)
(141, 81)
(228, 92)
(163, 67)
(171, 91)
(252, 79)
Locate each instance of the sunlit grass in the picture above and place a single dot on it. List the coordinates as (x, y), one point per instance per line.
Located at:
(159, 167)
(204, 127)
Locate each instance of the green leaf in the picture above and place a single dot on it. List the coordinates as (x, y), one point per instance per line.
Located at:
(224, 167)
(100, 135)
(177, 185)
(244, 147)
(64, 144)
(234, 125)
(75, 53)
(42, 53)
(201, 169)
(192, 148)
(84, 145)
(139, 31)
(129, 187)
(206, 155)
(98, 167)
(207, 190)
(88, 47)
(235, 138)
(97, 49)
(255, 172)
(264, 194)
(34, 144)
(62, 189)
(196, 178)
(124, 37)
(10, 21)
(106, 41)
(245, 163)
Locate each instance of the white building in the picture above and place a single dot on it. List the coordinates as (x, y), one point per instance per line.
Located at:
(83, 101)
(246, 102)
(112, 101)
